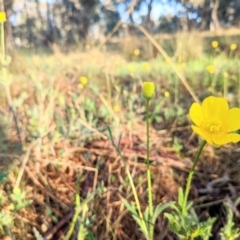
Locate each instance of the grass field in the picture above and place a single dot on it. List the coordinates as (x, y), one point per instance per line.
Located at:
(62, 178)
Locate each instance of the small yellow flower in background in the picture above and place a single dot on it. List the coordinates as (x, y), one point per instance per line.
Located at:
(214, 44)
(233, 46)
(116, 108)
(146, 65)
(2, 16)
(131, 69)
(181, 66)
(215, 122)
(83, 80)
(166, 94)
(125, 92)
(225, 74)
(80, 86)
(88, 46)
(136, 52)
(148, 90)
(116, 62)
(168, 60)
(211, 69)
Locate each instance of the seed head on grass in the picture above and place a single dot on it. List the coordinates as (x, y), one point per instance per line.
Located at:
(215, 122)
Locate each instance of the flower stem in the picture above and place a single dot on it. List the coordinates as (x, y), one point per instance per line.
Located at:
(190, 175)
(134, 194)
(150, 199)
(3, 41)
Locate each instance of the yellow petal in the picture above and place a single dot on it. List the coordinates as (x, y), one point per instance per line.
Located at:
(215, 107)
(196, 113)
(232, 121)
(226, 138)
(203, 134)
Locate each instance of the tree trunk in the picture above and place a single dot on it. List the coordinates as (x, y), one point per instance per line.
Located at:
(214, 16)
(149, 6)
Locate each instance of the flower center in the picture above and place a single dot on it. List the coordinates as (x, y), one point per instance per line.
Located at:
(213, 126)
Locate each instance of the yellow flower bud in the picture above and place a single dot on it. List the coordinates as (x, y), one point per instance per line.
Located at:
(166, 94)
(233, 46)
(83, 80)
(225, 74)
(2, 16)
(211, 69)
(136, 52)
(116, 108)
(88, 46)
(214, 44)
(148, 90)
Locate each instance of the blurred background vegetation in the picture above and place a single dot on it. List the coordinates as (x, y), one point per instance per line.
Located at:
(74, 66)
(34, 23)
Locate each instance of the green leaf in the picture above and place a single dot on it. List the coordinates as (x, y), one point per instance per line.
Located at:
(146, 215)
(110, 135)
(159, 209)
(130, 208)
(180, 197)
(37, 235)
(3, 177)
(141, 223)
(119, 141)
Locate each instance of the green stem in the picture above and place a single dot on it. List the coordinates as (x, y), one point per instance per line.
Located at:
(190, 175)
(225, 87)
(3, 41)
(150, 199)
(134, 192)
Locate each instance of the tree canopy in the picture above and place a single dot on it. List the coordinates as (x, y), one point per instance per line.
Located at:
(71, 21)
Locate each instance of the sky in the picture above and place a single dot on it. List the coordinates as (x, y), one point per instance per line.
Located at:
(158, 10)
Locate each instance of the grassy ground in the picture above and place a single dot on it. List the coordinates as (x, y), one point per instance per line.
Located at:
(57, 145)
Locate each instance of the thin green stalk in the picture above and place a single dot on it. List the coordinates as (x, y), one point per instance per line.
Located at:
(190, 175)
(238, 88)
(225, 87)
(133, 190)
(3, 41)
(143, 224)
(150, 199)
(5, 78)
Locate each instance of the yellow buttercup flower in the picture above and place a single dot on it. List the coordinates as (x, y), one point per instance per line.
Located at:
(80, 86)
(116, 108)
(233, 46)
(215, 122)
(131, 69)
(211, 69)
(168, 60)
(166, 94)
(146, 65)
(2, 16)
(214, 44)
(83, 80)
(148, 90)
(225, 74)
(136, 52)
(88, 46)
